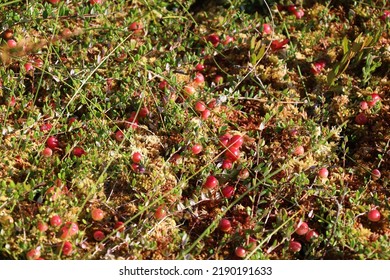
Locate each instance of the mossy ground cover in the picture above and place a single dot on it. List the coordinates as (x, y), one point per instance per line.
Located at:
(86, 86)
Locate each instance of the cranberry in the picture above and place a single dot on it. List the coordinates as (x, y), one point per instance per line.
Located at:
(376, 174)
(211, 182)
(78, 151)
(68, 230)
(33, 254)
(119, 136)
(52, 142)
(67, 248)
(214, 39)
(163, 85)
(97, 214)
(136, 27)
(374, 98)
(196, 149)
(385, 16)
(299, 13)
(302, 228)
(119, 226)
(295, 246)
(374, 215)
(47, 152)
(278, 45)
(11, 43)
(160, 213)
(143, 112)
(205, 114)
(228, 40)
(225, 225)
(240, 252)
(299, 151)
(228, 191)
(323, 173)
(267, 29)
(232, 153)
(199, 78)
(98, 235)
(363, 105)
(42, 226)
(224, 139)
(200, 106)
(361, 119)
(136, 157)
(199, 67)
(227, 164)
(236, 141)
(310, 235)
(55, 221)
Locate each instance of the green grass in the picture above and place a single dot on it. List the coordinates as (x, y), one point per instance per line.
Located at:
(102, 75)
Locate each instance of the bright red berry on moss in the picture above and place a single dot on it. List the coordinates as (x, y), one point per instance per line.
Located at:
(68, 230)
(374, 215)
(376, 174)
(119, 136)
(199, 78)
(163, 85)
(11, 43)
(361, 119)
(205, 114)
(196, 149)
(236, 141)
(232, 153)
(228, 39)
(374, 98)
(278, 45)
(160, 213)
(119, 226)
(240, 252)
(67, 248)
(98, 235)
(323, 173)
(317, 67)
(227, 164)
(310, 235)
(299, 151)
(295, 246)
(267, 29)
(225, 225)
(302, 228)
(47, 152)
(136, 27)
(385, 16)
(78, 151)
(33, 254)
(224, 139)
(200, 106)
(97, 214)
(228, 191)
(52, 142)
(211, 182)
(143, 112)
(199, 67)
(363, 105)
(55, 221)
(214, 39)
(136, 157)
(42, 226)
(299, 13)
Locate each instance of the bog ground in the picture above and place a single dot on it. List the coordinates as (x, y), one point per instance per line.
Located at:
(194, 130)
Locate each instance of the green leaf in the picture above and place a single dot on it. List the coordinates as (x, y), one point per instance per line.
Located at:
(345, 45)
